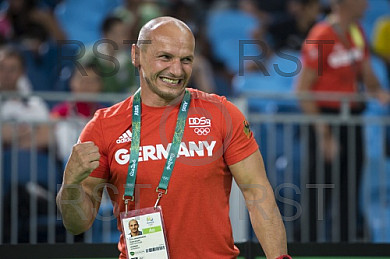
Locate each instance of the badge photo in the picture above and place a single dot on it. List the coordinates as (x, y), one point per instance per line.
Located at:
(144, 234)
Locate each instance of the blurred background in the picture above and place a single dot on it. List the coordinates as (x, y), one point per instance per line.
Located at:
(62, 60)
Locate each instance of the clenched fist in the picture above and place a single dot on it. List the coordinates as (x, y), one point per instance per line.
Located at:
(82, 161)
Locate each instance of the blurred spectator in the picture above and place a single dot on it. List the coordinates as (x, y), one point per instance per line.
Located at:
(72, 116)
(21, 110)
(25, 143)
(41, 54)
(344, 63)
(290, 31)
(381, 41)
(135, 13)
(112, 57)
(16, 20)
(35, 32)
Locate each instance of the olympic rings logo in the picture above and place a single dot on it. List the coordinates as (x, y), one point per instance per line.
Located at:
(202, 131)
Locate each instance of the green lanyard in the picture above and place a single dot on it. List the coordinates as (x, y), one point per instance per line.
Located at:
(135, 144)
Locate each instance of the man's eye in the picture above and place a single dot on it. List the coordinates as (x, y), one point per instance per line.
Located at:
(165, 57)
(187, 60)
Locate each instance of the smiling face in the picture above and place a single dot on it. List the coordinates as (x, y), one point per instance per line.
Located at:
(165, 65)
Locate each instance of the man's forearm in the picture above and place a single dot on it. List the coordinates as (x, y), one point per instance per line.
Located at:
(268, 226)
(76, 208)
(309, 106)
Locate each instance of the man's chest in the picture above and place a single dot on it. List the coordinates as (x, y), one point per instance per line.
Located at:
(200, 149)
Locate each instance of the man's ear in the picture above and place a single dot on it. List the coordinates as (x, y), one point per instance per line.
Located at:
(135, 55)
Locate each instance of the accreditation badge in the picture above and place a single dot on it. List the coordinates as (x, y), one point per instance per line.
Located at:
(144, 234)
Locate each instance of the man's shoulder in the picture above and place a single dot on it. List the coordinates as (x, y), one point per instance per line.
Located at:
(116, 110)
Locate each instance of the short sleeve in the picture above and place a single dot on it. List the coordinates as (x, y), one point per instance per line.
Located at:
(239, 142)
(93, 132)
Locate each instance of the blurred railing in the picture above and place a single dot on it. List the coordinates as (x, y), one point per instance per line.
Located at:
(29, 179)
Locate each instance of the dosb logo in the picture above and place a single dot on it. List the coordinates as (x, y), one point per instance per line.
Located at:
(201, 125)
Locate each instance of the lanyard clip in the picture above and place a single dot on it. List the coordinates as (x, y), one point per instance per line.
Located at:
(127, 202)
(160, 194)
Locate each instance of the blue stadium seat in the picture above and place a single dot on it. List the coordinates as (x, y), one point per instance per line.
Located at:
(81, 20)
(225, 29)
(281, 70)
(375, 183)
(376, 8)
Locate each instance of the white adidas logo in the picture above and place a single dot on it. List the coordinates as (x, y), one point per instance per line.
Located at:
(125, 137)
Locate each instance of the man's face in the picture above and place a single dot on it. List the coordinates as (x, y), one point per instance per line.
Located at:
(133, 225)
(356, 7)
(10, 71)
(166, 63)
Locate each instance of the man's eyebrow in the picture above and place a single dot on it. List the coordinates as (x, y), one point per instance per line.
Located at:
(163, 53)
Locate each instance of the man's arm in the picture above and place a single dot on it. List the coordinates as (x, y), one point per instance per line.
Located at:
(305, 81)
(328, 144)
(372, 83)
(264, 214)
(80, 195)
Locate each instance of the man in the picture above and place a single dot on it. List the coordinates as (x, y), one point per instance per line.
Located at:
(337, 66)
(133, 226)
(217, 144)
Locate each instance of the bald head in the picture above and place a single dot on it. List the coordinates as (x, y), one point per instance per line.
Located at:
(164, 57)
(162, 26)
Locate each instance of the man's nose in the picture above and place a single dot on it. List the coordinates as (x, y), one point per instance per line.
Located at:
(176, 68)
